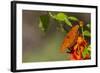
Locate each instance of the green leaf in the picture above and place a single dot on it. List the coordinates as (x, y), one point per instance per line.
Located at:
(44, 22)
(72, 18)
(85, 52)
(60, 17)
(63, 17)
(68, 22)
(86, 33)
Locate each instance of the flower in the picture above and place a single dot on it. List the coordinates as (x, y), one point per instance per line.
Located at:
(78, 49)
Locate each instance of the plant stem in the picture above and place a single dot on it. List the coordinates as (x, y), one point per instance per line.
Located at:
(51, 14)
(82, 32)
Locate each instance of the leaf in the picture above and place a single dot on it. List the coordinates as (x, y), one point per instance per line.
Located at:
(86, 52)
(86, 33)
(44, 22)
(72, 18)
(68, 22)
(63, 17)
(60, 17)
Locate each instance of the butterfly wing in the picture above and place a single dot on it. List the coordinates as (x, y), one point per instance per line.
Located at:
(70, 38)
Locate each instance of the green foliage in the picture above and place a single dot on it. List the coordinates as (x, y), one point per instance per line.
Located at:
(44, 22)
(72, 18)
(58, 16)
(86, 33)
(61, 17)
(86, 51)
(68, 22)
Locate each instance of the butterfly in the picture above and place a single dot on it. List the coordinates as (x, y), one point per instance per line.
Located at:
(70, 39)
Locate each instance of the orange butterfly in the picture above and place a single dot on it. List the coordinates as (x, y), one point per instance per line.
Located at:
(70, 38)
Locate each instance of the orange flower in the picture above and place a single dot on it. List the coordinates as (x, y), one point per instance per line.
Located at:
(76, 56)
(87, 56)
(78, 49)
